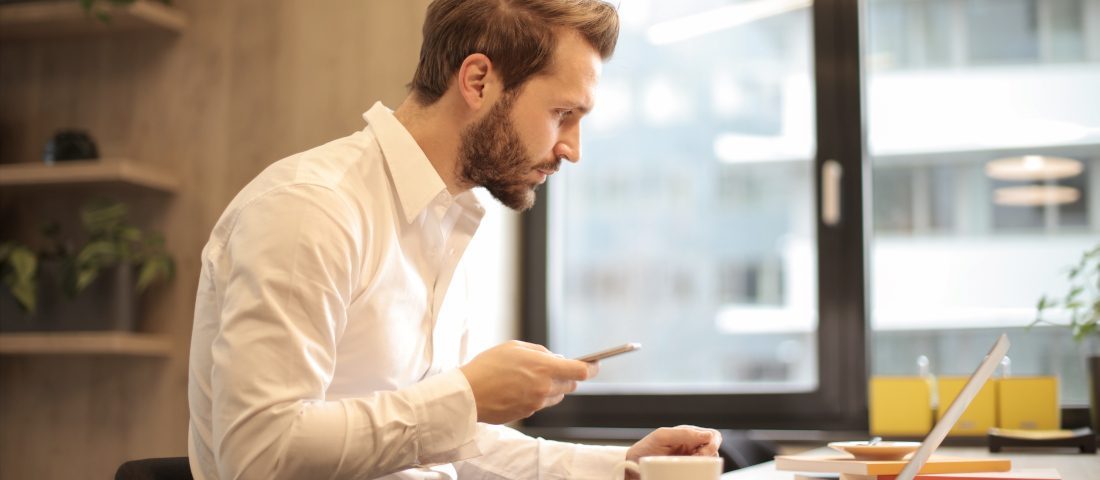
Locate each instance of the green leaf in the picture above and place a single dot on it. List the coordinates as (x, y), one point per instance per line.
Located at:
(103, 217)
(1073, 293)
(21, 278)
(130, 234)
(100, 253)
(23, 263)
(85, 277)
(151, 271)
(24, 293)
(1083, 330)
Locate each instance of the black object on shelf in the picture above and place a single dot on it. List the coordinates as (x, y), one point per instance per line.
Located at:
(70, 145)
(1082, 438)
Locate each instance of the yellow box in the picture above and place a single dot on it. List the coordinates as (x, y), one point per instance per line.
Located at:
(1028, 403)
(979, 417)
(899, 405)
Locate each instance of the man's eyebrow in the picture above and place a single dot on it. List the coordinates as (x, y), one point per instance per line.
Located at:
(581, 107)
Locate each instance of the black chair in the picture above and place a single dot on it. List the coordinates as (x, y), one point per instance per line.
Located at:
(171, 468)
(739, 451)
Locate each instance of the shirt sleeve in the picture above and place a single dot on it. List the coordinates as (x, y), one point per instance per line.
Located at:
(509, 454)
(288, 273)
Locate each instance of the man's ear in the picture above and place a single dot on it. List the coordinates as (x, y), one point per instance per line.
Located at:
(476, 80)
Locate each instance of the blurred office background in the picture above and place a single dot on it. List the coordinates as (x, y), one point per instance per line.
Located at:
(691, 226)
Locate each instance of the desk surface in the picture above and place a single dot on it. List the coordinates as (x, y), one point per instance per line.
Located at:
(1072, 466)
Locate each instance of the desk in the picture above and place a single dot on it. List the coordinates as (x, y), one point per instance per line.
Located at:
(1072, 466)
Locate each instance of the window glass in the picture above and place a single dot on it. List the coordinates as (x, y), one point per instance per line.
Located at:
(962, 250)
(689, 224)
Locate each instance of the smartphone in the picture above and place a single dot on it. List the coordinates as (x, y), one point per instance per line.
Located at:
(611, 352)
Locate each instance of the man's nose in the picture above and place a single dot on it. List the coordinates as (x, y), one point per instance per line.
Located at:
(569, 146)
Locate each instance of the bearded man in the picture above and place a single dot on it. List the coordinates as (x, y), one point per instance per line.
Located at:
(322, 344)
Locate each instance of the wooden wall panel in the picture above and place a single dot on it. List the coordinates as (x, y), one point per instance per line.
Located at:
(248, 82)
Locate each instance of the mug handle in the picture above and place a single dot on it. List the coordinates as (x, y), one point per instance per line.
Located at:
(622, 467)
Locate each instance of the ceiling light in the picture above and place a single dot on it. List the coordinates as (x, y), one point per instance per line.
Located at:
(1035, 195)
(1033, 167)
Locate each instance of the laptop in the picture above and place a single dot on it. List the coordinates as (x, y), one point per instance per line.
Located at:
(969, 391)
(951, 416)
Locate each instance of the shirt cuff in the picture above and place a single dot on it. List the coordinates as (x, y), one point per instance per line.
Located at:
(446, 417)
(596, 462)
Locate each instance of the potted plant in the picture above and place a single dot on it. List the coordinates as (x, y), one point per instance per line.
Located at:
(1081, 304)
(90, 285)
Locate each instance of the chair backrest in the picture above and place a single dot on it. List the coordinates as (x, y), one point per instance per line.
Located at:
(171, 468)
(740, 451)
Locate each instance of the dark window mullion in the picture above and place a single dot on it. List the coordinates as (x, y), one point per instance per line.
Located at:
(842, 284)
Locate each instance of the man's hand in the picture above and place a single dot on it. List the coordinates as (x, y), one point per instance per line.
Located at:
(515, 379)
(683, 440)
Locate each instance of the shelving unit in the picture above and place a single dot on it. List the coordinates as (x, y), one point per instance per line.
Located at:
(62, 388)
(61, 18)
(74, 173)
(84, 343)
(105, 171)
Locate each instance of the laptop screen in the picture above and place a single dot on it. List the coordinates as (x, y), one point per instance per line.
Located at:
(969, 391)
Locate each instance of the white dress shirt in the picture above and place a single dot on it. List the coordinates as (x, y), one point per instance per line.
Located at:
(325, 345)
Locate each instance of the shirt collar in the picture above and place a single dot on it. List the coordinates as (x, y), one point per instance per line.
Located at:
(415, 179)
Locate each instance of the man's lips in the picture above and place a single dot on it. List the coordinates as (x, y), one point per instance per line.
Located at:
(545, 172)
(549, 169)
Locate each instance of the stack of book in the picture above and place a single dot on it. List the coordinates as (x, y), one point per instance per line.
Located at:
(937, 468)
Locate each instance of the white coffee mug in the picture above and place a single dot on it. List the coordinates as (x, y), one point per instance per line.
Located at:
(672, 468)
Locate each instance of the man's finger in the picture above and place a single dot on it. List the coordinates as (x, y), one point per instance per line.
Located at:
(565, 369)
(707, 450)
(593, 368)
(551, 401)
(705, 434)
(561, 387)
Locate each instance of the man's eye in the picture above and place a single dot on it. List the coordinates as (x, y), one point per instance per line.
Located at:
(563, 114)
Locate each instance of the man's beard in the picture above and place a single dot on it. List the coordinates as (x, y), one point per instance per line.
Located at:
(491, 155)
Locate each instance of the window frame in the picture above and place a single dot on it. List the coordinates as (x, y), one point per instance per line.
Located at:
(839, 402)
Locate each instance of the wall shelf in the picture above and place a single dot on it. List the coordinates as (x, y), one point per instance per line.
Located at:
(84, 343)
(105, 171)
(61, 18)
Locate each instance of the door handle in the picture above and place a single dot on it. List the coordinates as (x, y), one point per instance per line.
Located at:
(831, 174)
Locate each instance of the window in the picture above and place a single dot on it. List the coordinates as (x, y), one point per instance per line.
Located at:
(693, 226)
(956, 257)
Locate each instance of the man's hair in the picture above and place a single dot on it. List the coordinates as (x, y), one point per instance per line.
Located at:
(517, 35)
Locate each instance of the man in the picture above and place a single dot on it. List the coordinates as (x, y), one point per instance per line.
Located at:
(324, 344)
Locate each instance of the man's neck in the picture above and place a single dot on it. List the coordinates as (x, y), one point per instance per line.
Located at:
(436, 129)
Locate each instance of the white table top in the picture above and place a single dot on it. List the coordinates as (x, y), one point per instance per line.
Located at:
(1072, 466)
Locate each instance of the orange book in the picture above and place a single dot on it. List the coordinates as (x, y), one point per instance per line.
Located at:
(1033, 474)
(845, 464)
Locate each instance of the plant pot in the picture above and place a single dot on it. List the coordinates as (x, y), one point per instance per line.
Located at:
(109, 303)
(1094, 392)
